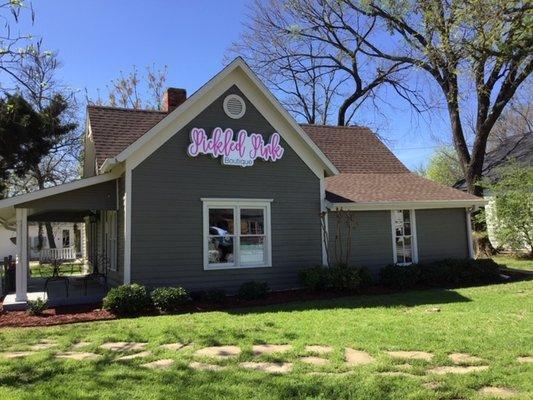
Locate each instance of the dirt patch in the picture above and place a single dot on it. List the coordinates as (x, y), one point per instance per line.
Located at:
(462, 358)
(17, 354)
(272, 368)
(159, 364)
(525, 360)
(55, 316)
(411, 355)
(498, 392)
(260, 349)
(205, 367)
(123, 346)
(457, 370)
(404, 367)
(219, 351)
(314, 360)
(79, 356)
(357, 357)
(134, 356)
(432, 385)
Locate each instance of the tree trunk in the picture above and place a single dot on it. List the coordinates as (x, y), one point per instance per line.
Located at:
(50, 235)
(48, 225)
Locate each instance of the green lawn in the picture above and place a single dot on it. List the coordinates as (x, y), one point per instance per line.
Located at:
(516, 263)
(491, 322)
(45, 270)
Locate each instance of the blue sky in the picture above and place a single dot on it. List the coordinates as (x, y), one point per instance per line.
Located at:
(96, 39)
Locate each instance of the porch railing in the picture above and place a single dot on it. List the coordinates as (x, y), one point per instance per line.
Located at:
(67, 253)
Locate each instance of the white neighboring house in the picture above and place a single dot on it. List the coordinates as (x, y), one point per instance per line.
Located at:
(69, 239)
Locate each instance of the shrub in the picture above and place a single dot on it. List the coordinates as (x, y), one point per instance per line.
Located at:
(128, 300)
(315, 278)
(169, 299)
(399, 277)
(366, 277)
(198, 295)
(253, 290)
(343, 278)
(36, 307)
(216, 295)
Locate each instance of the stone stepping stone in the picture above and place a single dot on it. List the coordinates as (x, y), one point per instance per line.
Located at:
(17, 354)
(272, 368)
(42, 346)
(176, 346)
(498, 392)
(260, 349)
(80, 345)
(123, 346)
(134, 356)
(205, 367)
(357, 357)
(314, 360)
(318, 349)
(457, 370)
(74, 355)
(411, 355)
(397, 373)
(159, 364)
(339, 374)
(219, 351)
(462, 358)
(525, 360)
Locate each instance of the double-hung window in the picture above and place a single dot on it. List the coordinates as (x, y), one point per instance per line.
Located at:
(404, 237)
(236, 233)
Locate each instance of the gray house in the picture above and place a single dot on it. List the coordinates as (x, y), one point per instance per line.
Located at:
(225, 187)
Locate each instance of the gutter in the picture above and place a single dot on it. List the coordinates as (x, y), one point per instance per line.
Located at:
(400, 205)
(108, 165)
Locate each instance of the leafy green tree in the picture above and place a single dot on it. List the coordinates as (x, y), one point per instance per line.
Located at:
(27, 135)
(444, 167)
(513, 203)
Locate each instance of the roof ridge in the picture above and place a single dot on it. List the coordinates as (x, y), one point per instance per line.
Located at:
(351, 127)
(127, 109)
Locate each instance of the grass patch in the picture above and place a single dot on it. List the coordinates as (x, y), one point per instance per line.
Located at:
(491, 322)
(514, 262)
(45, 270)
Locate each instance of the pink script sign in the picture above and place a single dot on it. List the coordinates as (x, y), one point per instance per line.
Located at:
(242, 150)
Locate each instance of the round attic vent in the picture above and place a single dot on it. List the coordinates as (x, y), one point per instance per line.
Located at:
(234, 106)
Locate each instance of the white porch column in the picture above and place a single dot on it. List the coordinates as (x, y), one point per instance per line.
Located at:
(22, 255)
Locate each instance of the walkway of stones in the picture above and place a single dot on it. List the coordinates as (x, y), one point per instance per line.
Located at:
(209, 358)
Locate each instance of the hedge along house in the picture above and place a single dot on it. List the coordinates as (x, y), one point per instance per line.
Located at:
(226, 187)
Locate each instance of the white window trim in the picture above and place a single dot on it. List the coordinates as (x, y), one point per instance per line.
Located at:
(236, 204)
(414, 240)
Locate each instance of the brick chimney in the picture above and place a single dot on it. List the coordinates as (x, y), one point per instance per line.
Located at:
(172, 98)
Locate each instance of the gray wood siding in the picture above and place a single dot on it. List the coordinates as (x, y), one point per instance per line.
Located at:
(441, 233)
(167, 242)
(102, 196)
(371, 244)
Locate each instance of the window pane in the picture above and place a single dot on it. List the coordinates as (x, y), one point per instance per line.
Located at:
(220, 249)
(407, 229)
(252, 250)
(220, 221)
(252, 221)
(408, 249)
(406, 217)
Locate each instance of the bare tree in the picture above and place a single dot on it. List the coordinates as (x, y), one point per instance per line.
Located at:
(313, 52)
(131, 90)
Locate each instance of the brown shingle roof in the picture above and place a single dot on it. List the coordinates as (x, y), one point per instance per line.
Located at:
(114, 129)
(369, 170)
(366, 188)
(354, 149)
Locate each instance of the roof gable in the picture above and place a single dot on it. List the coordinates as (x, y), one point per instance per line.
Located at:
(239, 74)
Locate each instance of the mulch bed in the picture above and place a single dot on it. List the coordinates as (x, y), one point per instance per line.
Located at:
(94, 312)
